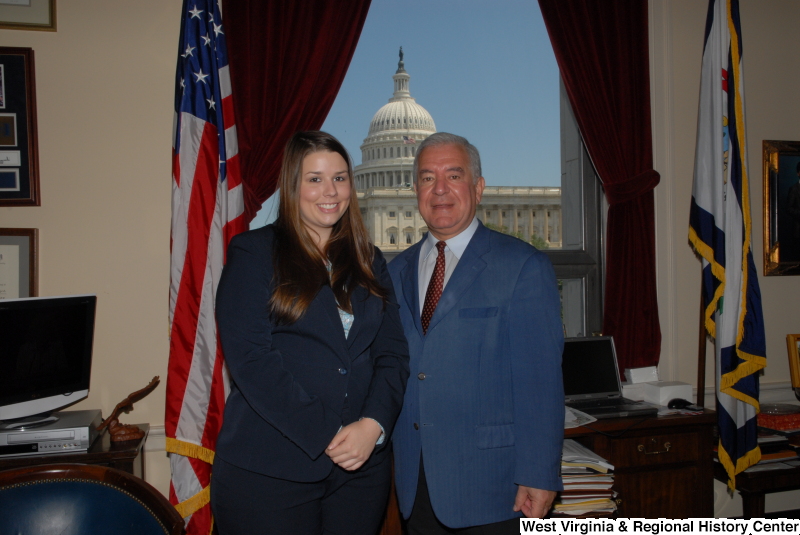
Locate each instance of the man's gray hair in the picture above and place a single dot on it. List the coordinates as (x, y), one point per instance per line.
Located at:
(443, 138)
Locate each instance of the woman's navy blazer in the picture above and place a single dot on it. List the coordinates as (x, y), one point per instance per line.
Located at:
(293, 386)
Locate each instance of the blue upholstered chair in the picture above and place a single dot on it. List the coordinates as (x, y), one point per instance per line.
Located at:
(73, 499)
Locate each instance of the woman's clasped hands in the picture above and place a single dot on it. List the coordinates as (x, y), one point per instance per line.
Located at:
(353, 444)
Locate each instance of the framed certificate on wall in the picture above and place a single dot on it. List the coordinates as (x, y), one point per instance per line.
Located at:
(19, 257)
(28, 15)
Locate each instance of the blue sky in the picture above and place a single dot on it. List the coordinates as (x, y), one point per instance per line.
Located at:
(484, 70)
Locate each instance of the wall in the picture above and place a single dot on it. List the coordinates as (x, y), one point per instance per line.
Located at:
(772, 109)
(104, 84)
(105, 93)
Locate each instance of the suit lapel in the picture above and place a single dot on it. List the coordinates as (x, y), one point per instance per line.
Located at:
(409, 277)
(328, 301)
(358, 302)
(470, 265)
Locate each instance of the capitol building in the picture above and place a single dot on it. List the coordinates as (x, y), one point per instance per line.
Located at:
(384, 178)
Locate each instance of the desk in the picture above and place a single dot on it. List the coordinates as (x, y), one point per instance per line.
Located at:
(652, 481)
(125, 456)
(753, 486)
(663, 466)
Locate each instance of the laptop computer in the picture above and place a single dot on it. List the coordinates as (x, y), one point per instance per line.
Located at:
(591, 380)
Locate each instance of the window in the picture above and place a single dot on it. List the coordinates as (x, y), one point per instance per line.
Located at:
(570, 234)
(409, 238)
(578, 263)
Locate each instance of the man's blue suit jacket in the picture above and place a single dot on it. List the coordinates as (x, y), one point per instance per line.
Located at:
(484, 404)
(293, 386)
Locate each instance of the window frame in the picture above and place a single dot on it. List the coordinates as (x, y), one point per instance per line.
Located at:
(586, 264)
(581, 186)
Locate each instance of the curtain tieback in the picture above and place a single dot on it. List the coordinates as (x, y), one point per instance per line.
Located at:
(631, 188)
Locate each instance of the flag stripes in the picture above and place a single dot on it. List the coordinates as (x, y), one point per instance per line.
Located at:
(207, 211)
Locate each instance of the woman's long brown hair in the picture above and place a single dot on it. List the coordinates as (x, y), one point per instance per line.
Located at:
(300, 267)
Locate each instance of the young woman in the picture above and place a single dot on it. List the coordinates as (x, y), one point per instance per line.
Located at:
(317, 357)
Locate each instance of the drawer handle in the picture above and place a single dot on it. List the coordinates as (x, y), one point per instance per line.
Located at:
(653, 441)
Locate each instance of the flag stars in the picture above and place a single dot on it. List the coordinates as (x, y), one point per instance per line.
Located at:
(189, 50)
(195, 13)
(206, 40)
(217, 29)
(211, 103)
(200, 76)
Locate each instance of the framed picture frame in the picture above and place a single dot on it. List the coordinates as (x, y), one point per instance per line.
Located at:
(19, 143)
(793, 345)
(781, 161)
(28, 15)
(19, 263)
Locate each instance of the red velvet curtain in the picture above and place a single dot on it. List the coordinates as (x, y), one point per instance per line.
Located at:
(602, 52)
(287, 61)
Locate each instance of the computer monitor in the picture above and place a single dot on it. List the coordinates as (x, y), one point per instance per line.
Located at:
(45, 353)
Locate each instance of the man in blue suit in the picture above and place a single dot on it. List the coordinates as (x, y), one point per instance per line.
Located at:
(478, 442)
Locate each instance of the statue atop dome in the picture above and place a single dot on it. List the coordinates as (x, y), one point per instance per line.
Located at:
(401, 67)
(402, 114)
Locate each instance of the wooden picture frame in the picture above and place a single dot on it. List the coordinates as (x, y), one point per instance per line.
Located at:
(19, 263)
(793, 346)
(28, 15)
(781, 161)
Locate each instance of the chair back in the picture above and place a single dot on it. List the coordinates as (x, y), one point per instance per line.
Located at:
(79, 499)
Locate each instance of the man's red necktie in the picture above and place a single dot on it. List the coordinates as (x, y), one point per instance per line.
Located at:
(434, 288)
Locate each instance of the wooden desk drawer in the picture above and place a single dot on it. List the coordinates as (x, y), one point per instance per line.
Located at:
(655, 449)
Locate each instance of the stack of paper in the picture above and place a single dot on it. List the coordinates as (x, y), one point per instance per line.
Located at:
(778, 452)
(576, 418)
(587, 479)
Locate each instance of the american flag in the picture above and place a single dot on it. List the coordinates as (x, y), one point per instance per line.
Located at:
(207, 211)
(408, 140)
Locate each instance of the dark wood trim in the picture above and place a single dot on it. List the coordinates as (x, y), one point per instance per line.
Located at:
(125, 456)
(158, 505)
(663, 465)
(33, 256)
(753, 486)
(31, 144)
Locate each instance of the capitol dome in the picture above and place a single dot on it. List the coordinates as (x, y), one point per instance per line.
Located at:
(387, 154)
(401, 114)
(388, 204)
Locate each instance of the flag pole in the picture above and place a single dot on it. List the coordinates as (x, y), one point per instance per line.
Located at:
(701, 349)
